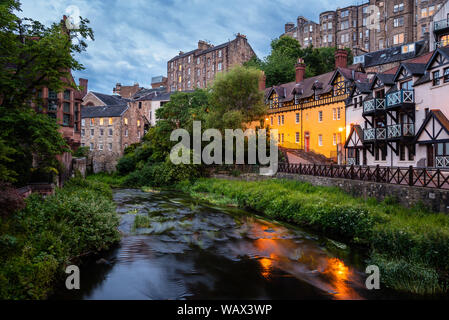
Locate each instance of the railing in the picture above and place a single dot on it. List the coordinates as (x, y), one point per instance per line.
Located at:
(417, 177)
(373, 104)
(442, 161)
(442, 24)
(351, 162)
(399, 97)
(375, 134)
(401, 130)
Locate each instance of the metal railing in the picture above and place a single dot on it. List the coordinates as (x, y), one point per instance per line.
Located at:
(399, 97)
(417, 177)
(442, 161)
(375, 134)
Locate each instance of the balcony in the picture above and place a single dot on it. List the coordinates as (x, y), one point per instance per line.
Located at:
(373, 134)
(401, 131)
(441, 25)
(400, 98)
(373, 105)
(442, 161)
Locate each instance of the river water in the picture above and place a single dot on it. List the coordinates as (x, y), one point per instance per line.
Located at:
(193, 250)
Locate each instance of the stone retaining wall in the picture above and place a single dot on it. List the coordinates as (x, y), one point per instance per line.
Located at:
(435, 199)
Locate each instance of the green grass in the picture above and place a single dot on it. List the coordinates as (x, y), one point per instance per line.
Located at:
(413, 238)
(37, 243)
(113, 180)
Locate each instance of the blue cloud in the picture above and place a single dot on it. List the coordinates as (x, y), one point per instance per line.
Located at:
(135, 38)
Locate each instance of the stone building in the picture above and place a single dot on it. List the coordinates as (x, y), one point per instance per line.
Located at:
(159, 82)
(371, 26)
(197, 68)
(440, 28)
(107, 131)
(126, 91)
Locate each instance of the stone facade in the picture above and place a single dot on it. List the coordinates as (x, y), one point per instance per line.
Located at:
(126, 91)
(197, 68)
(395, 23)
(108, 131)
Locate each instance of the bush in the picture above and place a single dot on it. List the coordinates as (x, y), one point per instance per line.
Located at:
(45, 236)
(81, 152)
(126, 165)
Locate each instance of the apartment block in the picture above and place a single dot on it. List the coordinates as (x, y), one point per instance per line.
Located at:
(197, 68)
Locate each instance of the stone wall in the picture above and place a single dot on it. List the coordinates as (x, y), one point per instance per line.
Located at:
(80, 165)
(435, 199)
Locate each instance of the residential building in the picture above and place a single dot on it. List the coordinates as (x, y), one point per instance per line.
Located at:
(371, 26)
(95, 99)
(198, 68)
(309, 113)
(440, 28)
(400, 118)
(126, 91)
(159, 82)
(65, 108)
(107, 131)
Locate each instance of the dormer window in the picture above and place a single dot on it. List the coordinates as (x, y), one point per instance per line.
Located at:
(296, 99)
(436, 78)
(446, 75)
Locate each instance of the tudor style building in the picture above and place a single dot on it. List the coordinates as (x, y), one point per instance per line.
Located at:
(400, 118)
(309, 114)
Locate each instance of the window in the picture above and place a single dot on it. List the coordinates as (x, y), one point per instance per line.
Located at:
(138, 134)
(398, 22)
(320, 140)
(138, 123)
(220, 54)
(355, 103)
(111, 132)
(110, 146)
(101, 121)
(297, 118)
(92, 122)
(436, 78)
(334, 139)
(446, 75)
(402, 152)
(92, 132)
(126, 121)
(91, 146)
(67, 95)
(279, 120)
(408, 85)
(320, 116)
(220, 66)
(83, 132)
(398, 38)
(111, 121)
(272, 121)
(338, 113)
(423, 12)
(101, 132)
(100, 146)
(126, 132)
(334, 114)
(282, 138)
(282, 118)
(297, 137)
(83, 122)
(140, 103)
(431, 10)
(198, 60)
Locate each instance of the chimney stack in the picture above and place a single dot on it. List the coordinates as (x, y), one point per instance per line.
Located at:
(341, 58)
(262, 82)
(84, 85)
(300, 70)
(288, 26)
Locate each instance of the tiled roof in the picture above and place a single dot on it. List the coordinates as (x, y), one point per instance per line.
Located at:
(393, 54)
(104, 111)
(148, 94)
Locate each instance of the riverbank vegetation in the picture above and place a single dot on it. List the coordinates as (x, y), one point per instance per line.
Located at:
(410, 246)
(39, 241)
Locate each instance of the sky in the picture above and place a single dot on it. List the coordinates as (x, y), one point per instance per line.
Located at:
(134, 39)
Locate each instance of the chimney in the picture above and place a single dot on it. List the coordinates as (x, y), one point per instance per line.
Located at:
(84, 85)
(300, 70)
(262, 82)
(288, 26)
(341, 58)
(203, 45)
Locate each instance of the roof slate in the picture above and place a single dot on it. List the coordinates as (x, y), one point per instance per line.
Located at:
(104, 111)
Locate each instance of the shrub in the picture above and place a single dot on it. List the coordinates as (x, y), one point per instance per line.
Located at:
(46, 235)
(126, 165)
(81, 152)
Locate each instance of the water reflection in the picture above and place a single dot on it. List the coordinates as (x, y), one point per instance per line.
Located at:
(196, 251)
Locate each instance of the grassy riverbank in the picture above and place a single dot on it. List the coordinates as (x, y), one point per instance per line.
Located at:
(410, 246)
(38, 242)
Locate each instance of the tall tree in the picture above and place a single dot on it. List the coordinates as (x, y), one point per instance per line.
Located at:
(33, 56)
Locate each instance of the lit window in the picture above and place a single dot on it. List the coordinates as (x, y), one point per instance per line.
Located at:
(101, 121)
(126, 121)
(92, 122)
(111, 121)
(138, 123)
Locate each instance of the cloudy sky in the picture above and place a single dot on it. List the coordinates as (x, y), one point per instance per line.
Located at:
(135, 38)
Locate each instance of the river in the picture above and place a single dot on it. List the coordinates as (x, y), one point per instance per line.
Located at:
(194, 250)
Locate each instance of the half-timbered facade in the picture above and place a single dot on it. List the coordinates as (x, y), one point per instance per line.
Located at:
(403, 116)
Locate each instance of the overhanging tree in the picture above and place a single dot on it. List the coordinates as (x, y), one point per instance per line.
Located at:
(33, 56)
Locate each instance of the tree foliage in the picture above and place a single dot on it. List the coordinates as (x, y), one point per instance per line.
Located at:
(33, 56)
(279, 65)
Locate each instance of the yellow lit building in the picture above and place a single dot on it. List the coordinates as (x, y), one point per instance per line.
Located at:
(309, 114)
